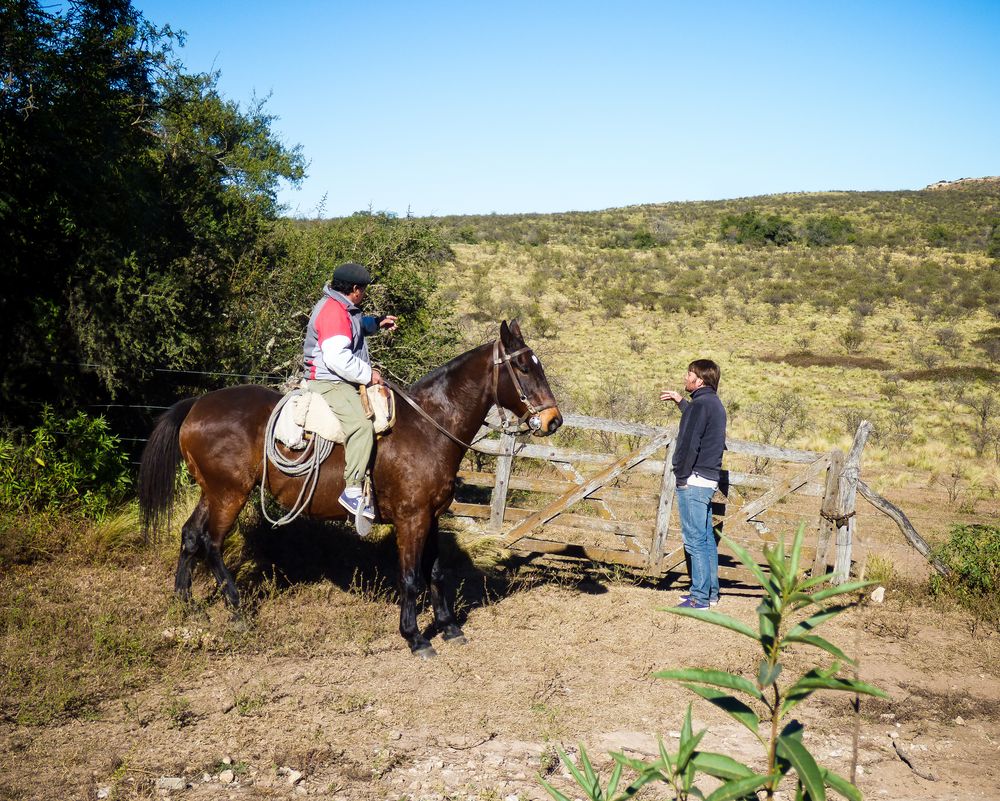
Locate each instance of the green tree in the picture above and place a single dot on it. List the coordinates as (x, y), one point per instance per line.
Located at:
(754, 228)
(129, 195)
(993, 242)
(830, 229)
(277, 291)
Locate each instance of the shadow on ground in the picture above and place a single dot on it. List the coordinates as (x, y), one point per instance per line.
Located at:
(306, 552)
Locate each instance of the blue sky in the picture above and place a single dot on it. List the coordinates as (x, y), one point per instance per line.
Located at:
(462, 108)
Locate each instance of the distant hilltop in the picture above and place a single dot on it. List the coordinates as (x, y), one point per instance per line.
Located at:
(989, 179)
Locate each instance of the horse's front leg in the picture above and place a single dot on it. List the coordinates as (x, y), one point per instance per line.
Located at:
(444, 618)
(411, 539)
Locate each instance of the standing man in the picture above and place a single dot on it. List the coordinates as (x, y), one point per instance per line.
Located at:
(701, 439)
(337, 364)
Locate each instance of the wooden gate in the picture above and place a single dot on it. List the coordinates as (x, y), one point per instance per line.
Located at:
(585, 504)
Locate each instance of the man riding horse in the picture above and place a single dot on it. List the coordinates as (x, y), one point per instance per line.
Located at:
(337, 364)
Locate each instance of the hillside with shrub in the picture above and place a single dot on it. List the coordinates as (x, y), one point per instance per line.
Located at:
(821, 309)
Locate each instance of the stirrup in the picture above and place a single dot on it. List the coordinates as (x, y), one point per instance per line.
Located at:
(363, 523)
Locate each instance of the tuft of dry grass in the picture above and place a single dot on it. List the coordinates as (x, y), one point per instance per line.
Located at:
(116, 538)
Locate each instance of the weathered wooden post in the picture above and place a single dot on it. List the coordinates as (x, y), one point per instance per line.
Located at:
(663, 510)
(498, 502)
(828, 512)
(846, 508)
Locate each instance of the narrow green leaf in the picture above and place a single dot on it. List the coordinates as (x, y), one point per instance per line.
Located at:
(738, 789)
(690, 771)
(767, 673)
(751, 564)
(687, 748)
(571, 767)
(819, 642)
(776, 561)
(644, 778)
(616, 775)
(733, 707)
(718, 678)
(715, 618)
(803, 688)
(638, 765)
(796, 554)
(806, 769)
(664, 756)
(768, 630)
(552, 791)
(721, 766)
(840, 589)
(588, 769)
(842, 786)
(814, 580)
(839, 684)
(686, 728)
(793, 699)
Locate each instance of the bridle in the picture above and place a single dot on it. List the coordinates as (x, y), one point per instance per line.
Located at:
(500, 356)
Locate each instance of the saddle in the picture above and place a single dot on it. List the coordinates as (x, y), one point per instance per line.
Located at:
(306, 413)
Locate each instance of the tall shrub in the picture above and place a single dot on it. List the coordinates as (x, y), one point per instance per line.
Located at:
(754, 228)
(72, 465)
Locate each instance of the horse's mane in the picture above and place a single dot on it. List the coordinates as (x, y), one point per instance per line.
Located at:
(441, 372)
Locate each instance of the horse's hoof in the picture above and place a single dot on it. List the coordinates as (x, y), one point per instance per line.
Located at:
(239, 625)
(457, 639)
(427, 652)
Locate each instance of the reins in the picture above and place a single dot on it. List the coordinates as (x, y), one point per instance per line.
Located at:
(500, 356)
(399, 391)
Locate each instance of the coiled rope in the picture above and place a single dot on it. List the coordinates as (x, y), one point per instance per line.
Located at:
(306, 464)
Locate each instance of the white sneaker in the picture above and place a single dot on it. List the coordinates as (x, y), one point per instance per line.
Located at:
(687, 596)
(352, 498)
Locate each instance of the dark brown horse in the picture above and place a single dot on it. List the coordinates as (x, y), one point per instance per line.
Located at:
(221, 438)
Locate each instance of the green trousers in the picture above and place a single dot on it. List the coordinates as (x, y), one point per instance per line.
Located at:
(343, 398)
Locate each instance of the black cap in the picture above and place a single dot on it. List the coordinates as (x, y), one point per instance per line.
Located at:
(351, 273)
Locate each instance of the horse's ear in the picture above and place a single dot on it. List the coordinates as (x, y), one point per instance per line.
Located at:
(515, 329)
(504, 332)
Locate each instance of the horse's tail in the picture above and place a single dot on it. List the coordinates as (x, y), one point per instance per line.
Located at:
(158, 468)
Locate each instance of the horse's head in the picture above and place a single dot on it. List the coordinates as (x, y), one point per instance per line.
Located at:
(522, 387)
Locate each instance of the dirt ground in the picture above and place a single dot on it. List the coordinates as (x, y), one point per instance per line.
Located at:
(322, 698)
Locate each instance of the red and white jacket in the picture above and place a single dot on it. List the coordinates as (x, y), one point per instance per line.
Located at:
(335, 347)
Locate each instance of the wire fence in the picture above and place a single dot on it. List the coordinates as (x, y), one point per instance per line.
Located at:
(147, 411)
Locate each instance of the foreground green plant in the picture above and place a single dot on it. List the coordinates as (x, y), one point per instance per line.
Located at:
(790, 612)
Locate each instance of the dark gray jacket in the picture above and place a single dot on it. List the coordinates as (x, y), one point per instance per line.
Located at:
(701, 438)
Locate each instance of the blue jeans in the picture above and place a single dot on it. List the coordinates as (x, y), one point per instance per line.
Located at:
(694, 504)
